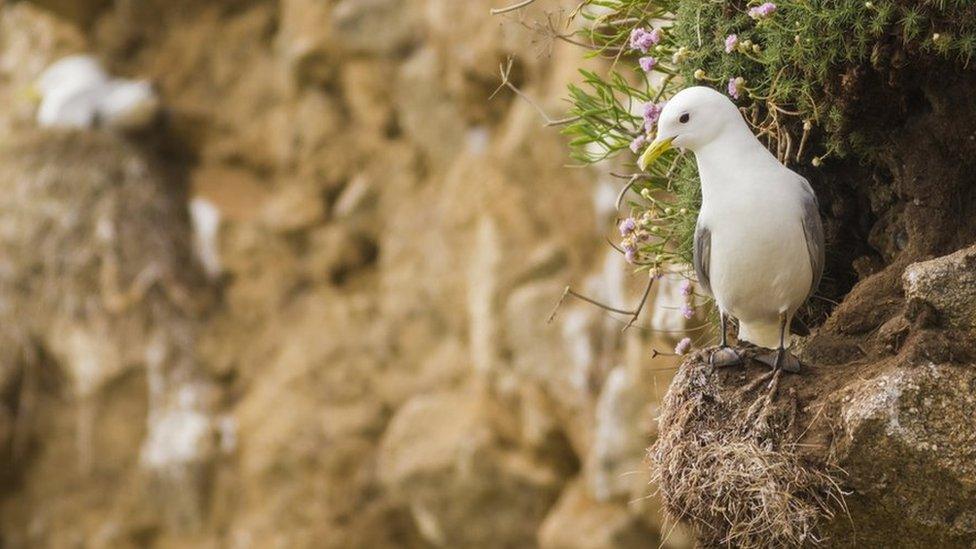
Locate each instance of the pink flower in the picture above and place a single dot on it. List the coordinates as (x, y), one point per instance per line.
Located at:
(683, 346)
(652, 112)
(631, 256)
(731, 41)
(686, 288)
(627, 226)
(647, 63)
(762, 11)
(735, 86)
(638, 143)
(642, 40)
(687, 310)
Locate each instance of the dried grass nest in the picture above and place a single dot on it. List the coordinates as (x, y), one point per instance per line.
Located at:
(726, 462)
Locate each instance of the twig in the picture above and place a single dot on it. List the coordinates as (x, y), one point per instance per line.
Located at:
(513, 7)
(627, 187)
(506, 70)
(803, 142)
(552, 314)
(634, 313)
(591, 301)
(640, 306)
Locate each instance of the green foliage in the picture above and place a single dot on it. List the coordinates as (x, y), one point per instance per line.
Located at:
(792, 62)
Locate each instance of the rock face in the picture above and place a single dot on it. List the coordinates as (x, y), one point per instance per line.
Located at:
(368, 363)
(948, 284)
(101, 305)
(910, 455)
(439, 454)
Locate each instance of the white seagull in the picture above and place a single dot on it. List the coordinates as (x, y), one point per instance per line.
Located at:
(759, 243)
(76, 92)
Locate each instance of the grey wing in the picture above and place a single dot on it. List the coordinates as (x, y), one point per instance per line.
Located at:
(701, 255)
(813, 231)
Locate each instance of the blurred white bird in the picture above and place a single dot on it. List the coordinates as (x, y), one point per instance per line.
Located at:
(759, 243)
(76, 92)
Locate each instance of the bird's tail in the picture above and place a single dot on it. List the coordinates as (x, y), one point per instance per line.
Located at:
(763, 334)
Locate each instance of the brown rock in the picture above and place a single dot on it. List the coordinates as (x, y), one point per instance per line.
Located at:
(578, 521)
(103, 295)
(294, 208)
(948, 284)
(440, 456)
(426, 113)
(910, 454)
(373, 26)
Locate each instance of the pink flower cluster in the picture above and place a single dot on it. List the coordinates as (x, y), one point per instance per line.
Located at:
(736, 86)
(647, 63)
(762, 11)
(643, 39)
(731, 41)
(634, 233)
(638, 143)
(652, 112)
(687, 290)
(683, 346)
(627, 226)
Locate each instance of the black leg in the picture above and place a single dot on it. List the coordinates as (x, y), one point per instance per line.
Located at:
(781, 358)
(724, 355)
(723, 320)
(782, 342)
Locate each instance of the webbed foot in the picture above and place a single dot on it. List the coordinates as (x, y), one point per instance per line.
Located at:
(781, 359)
(723, 357)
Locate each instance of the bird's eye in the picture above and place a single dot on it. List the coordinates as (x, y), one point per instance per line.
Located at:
(684, 118)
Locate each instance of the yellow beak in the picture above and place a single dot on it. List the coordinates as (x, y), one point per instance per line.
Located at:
(653, 152)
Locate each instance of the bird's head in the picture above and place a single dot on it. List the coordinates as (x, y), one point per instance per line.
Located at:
(691, 119)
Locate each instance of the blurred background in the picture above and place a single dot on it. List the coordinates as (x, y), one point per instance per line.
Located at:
(294, 293)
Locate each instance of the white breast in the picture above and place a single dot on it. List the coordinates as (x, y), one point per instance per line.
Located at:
(759, 265)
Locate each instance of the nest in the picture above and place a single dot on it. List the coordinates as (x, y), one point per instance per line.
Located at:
(727, 463)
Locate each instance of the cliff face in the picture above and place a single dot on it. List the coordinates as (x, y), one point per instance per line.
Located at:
(368, 363)
(372, 366)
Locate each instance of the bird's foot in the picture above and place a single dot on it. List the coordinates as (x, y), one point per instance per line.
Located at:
(723, 357)
(762, 409)
(781, 359)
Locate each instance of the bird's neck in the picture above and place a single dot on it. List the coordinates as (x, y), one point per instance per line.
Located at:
(725, 162)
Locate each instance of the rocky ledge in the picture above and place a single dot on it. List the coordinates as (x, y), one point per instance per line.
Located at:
(876, 448)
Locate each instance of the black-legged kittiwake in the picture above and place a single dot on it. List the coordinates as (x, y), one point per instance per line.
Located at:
(759, 243)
